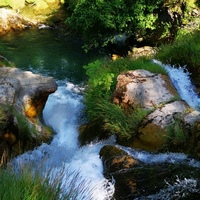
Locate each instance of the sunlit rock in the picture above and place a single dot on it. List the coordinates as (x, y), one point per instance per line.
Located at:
(142, 51)
(153, 134)
(143, 88)
(170, 122)
(27, 92)
(11, 20)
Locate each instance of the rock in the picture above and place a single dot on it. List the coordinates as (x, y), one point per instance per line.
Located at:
(8, 134)
(153, 134)
(26, 91)
(145, 180)
(146, 51)
(115, 159)
(171, 124)
(134, 179)
(144, 89)
(10, 20)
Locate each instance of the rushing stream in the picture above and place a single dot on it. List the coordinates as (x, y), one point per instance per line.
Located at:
(80, 168)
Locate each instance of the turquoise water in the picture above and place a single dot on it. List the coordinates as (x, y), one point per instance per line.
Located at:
(50, 52)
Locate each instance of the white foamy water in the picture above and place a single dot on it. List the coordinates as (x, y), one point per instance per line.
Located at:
(64, 154)
(180, 78)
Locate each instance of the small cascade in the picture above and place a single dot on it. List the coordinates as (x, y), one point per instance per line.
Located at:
(180, 78)
(81, 167)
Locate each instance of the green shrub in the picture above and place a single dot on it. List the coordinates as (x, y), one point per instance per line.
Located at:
(118, 122)
(99, 21)
(183, 51)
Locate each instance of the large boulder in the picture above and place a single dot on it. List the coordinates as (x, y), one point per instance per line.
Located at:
(172, 124)
(22, 98)
(26, 91)
(115, 159)
(143, 88)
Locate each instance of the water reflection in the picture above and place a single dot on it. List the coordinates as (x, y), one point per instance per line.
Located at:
(48, 51)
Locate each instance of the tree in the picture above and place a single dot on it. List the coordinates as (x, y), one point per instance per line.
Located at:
(103, 21)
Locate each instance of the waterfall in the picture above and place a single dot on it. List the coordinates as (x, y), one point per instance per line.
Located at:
(63, 154)
(180, 78)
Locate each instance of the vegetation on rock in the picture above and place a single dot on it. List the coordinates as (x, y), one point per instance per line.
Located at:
(98, 96)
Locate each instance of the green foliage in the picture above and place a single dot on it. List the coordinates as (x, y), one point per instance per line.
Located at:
(27, 183)
(99, 75)
(100, 20)
(26, 132)
(118, 122)
(101, 85)
(26, 186)
(183, 51)
(176, 133)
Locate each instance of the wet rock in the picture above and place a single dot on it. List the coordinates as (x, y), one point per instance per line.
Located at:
(115, 159)
(134, 179)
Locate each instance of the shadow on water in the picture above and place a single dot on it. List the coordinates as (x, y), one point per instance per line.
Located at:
(50, 51)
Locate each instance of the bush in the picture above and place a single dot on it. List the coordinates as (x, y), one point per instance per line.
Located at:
(183, 51)
(100, 21)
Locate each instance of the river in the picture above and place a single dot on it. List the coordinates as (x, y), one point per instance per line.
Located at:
(54, 53)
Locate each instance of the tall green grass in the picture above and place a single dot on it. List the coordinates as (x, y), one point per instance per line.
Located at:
(184, 50)
(118, 122)
(25, 185)
(29, 184)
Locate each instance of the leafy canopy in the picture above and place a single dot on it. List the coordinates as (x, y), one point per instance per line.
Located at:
(98, 21)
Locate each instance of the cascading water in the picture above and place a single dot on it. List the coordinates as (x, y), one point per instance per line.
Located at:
(63, 154)
(181, 81)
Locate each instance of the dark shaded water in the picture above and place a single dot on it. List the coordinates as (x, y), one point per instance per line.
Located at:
(48, 51)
